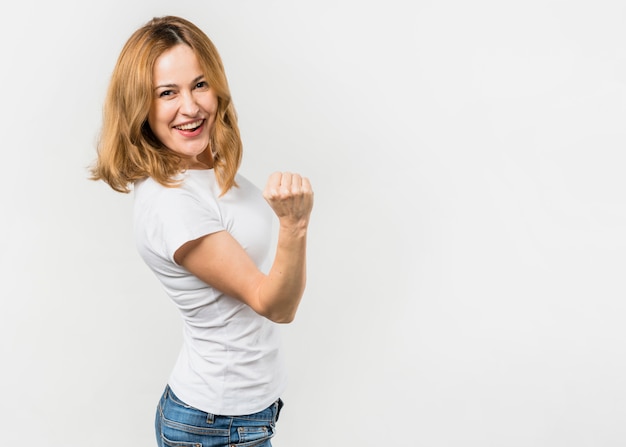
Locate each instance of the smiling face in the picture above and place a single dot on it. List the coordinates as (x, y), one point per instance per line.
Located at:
(183, 107)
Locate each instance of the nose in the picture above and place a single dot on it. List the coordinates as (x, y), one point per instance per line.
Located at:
(189, 105)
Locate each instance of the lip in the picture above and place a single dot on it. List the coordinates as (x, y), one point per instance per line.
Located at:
(191, 133)
(184, 123)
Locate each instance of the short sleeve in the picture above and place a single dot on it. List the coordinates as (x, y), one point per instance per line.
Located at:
(184, 218)
(170, 217)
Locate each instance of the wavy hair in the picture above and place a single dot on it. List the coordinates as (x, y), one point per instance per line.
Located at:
(128, 150)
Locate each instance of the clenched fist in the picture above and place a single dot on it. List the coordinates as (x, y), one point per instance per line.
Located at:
(290, 196)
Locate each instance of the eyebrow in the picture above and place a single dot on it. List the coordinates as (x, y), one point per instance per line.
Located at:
(198, 78)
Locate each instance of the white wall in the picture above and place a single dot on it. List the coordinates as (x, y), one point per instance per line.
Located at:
(467, 250)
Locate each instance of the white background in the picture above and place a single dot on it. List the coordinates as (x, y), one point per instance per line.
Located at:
(467, 251)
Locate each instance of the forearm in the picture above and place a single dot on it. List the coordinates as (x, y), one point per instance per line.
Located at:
(282, 288)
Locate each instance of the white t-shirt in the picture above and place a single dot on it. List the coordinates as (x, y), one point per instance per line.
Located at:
(230, 362)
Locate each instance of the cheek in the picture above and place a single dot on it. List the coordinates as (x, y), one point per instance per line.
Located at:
(211, 104)
(151, 122)
(152, 117)
(158, 118)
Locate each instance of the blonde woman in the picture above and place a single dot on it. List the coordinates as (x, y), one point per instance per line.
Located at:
(170, 135)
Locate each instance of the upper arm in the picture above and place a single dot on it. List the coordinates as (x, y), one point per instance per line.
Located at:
(220, 261)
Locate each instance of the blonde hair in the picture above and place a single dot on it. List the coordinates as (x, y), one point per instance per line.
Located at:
(128, 150)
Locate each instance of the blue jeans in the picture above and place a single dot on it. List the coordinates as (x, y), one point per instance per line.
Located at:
(180, 425)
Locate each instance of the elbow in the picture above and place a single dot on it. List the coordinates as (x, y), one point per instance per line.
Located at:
(281, 317)
(285, 320)
(281, 310)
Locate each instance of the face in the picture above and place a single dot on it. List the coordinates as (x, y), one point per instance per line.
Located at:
(183, 106)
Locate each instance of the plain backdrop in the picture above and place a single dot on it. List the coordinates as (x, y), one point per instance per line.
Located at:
(468, 243)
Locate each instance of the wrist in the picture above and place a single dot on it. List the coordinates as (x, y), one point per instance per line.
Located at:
(295, 228)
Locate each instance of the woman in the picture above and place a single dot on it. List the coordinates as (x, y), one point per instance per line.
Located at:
(170, 132)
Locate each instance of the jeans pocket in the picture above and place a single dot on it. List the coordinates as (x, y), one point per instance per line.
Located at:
(251, 436)
(169, 443)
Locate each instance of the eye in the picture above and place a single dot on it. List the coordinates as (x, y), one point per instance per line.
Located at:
(202, 84)
(165, 93)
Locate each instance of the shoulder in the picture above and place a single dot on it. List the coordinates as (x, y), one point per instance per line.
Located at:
(155, 201)
(167, 217)
(190, 185)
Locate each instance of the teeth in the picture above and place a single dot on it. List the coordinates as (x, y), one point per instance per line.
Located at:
(189, 126)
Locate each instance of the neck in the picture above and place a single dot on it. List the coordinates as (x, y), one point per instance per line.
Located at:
(202, 161)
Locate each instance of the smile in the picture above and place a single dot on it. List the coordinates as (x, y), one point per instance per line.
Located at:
(190, 126)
